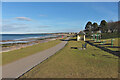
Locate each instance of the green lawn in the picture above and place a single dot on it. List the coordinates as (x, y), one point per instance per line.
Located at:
(74, 63)
(11, 56)
(107, 44)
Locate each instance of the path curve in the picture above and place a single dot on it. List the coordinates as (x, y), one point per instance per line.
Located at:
(19, 67)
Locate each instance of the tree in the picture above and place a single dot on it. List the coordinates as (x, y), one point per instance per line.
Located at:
(112, 26)
(88, 26)
(104, 26)
(95, 27)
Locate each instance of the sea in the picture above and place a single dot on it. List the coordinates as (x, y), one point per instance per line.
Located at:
(19, 37)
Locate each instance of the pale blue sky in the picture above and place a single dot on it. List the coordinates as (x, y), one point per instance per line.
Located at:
(39, 17)
(60, 0)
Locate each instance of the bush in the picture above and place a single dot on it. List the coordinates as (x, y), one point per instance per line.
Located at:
(110, 35)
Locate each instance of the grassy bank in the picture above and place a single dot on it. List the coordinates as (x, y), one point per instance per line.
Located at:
(107, 43)
(11, 56)
(74, 63)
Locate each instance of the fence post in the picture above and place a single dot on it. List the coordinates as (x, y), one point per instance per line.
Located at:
(111, 42)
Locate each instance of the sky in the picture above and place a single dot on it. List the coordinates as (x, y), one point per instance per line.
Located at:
(60, 0)
(52, 17)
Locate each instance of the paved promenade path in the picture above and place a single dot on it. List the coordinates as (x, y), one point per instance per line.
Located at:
(19, 67)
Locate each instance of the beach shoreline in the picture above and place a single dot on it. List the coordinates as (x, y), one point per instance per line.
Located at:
(15, 46)
(19, 46)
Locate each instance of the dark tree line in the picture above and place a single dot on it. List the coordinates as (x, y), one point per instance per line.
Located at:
(104, 27)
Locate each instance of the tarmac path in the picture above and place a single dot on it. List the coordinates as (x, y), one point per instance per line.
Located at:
(19, 67)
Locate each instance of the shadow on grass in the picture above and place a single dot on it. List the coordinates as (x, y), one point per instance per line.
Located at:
(64, 40)
(73, 39)
(107, 56)
(68, 40)
(106, 44)
(74, 48)
(113, 46)
(93, 54)
(97, 42)
(116, 53)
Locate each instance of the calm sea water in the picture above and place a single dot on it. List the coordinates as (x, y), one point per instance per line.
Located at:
(23, 36)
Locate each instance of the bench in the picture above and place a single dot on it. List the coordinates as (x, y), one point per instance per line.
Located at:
(84, 46)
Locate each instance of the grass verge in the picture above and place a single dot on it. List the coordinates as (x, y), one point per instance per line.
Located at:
(74, 63)
(107, 44)
(11, 56)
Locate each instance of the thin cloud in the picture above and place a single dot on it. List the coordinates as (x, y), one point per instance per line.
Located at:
(23, 18)
(42, 15)
(44, 26)
(14, 27)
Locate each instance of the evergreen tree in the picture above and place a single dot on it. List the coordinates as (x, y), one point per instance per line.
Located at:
(104, 26)
(88, 26)
(95, 27)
